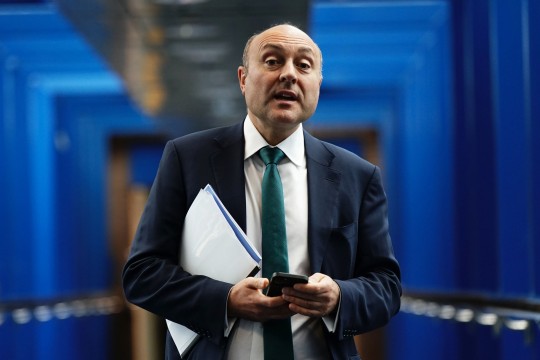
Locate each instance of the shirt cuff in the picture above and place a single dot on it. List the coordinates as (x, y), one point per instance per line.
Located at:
(229, 322)
(330, 321)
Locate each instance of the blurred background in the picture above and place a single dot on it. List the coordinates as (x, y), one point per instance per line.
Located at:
(443, 95)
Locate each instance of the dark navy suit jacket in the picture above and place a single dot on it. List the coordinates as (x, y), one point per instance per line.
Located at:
(348, 238)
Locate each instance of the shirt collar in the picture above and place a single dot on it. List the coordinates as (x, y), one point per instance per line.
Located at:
(293, 146)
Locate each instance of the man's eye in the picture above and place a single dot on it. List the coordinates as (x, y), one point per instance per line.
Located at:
(304, 66)
(271, 62)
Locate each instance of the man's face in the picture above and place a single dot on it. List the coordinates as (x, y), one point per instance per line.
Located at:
(281, 84)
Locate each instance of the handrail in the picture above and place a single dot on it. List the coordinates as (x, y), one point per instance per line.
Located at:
(23, 311)
(513, 313)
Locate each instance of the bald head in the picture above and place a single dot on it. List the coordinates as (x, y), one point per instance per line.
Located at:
(289, 31)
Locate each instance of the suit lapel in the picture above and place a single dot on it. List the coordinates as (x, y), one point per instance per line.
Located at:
(323, 187)
(228, 167)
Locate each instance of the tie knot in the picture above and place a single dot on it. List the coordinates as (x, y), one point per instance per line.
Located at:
(271, 155)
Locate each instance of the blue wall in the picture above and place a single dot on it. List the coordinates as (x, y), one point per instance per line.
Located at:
(497, 154)
(59, 107)
(452, 89)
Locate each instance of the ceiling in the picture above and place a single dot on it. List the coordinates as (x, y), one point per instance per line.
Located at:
(179, 58)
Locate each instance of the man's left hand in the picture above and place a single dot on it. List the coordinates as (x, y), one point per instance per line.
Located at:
(318, 298)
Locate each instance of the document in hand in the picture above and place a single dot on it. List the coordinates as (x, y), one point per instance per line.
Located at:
(215, 246)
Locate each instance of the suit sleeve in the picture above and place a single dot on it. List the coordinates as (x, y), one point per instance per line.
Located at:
(372, 296)
(152, 277)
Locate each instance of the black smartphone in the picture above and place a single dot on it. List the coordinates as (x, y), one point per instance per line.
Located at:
(280, 280)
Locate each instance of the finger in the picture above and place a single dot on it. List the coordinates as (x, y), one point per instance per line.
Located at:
(311, 311)
(290, 295)
(262, 283)
(310, 305)
(316, 278)
(317, 284)
(255, 283)
(306, 303)
(307, 291)
(276, 308)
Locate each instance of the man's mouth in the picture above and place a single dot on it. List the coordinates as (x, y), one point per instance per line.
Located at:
(286, 95)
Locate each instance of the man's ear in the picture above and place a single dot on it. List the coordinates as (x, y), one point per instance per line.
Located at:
(242, 73)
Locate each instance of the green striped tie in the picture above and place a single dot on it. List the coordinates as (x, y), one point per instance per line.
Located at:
(277, 333)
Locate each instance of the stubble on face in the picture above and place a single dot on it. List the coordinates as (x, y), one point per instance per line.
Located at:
(282, 81)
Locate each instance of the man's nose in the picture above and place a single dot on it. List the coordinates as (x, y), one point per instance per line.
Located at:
(288, 72)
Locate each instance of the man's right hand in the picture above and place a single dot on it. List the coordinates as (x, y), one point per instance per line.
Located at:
(247, 301)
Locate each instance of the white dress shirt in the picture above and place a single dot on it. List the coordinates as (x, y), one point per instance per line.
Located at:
(247, 337)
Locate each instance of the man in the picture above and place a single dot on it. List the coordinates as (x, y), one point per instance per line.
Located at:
(335, 215)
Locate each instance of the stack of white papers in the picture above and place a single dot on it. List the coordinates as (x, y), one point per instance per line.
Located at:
(215, 246)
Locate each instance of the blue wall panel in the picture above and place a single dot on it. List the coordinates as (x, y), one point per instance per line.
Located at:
(90, 128)
(512, 150)
(516, 345)
(423, 338)
(476, 211)
(17, 197)
(55, 242)
(144, 161)
(477, 342)
(533, 106)
(426, 178)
